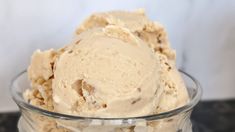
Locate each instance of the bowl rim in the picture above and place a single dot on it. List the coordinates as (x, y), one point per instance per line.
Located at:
(23, 105)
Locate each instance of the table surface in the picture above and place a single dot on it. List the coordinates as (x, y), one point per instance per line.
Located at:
(208, 116)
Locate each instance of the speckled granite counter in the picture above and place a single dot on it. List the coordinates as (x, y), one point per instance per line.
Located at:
(208, 116)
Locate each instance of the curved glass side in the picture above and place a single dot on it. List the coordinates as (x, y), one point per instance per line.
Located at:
(34, 119)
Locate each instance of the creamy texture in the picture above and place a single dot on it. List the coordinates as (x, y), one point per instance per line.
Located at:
(122, 73)
(119, 64)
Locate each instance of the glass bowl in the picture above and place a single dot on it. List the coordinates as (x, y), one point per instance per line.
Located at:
(34, 119)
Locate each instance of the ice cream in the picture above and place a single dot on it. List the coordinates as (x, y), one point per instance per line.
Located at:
(119, 64)
(107, 75)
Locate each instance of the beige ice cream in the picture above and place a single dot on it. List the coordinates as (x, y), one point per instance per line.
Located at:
(119, 64)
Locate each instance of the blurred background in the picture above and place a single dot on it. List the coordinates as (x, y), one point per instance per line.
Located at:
(201, 31)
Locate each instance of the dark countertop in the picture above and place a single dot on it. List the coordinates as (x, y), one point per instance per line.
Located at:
(214, 116)
(208, 116)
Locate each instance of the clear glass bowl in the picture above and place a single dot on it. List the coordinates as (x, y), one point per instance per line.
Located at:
(34, 119)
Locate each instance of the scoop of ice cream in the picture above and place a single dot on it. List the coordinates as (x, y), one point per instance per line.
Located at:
(155, 37)
(108, 73)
